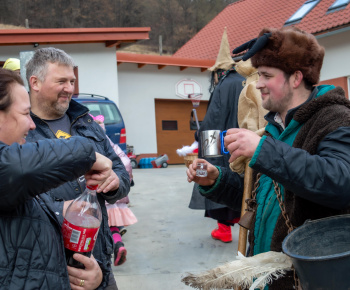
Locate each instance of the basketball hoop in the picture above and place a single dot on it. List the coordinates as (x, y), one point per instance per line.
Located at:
(195, 99)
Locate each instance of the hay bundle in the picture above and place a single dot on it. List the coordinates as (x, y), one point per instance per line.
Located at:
(247, 273)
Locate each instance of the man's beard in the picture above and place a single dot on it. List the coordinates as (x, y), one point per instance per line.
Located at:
(280, 105)
(54, 110)
(61, 108)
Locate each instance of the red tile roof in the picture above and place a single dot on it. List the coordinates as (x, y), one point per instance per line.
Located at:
(245, 18)
(163, 61)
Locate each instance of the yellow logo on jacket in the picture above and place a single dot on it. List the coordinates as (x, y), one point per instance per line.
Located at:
(62, 135)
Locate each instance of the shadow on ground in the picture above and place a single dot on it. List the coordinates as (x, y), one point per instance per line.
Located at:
(169, 239)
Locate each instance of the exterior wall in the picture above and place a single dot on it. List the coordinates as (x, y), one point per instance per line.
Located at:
(337, 61)
(96, 64)
(341, 82)
(138, 87)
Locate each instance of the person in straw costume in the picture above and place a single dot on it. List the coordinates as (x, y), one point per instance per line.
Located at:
(301, 162)
(225, 88)
(250, 111)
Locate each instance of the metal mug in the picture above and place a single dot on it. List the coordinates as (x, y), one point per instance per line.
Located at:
(213, 143)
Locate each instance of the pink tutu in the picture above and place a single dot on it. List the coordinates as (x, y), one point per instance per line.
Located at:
(119, 214)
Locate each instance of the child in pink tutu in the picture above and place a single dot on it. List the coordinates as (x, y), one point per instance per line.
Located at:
(119, 214)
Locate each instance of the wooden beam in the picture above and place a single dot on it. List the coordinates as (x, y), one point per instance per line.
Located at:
(247, 193)
(182, 68)
(109, 36)
(111, 43)
(140, 65)
(119, 43)
(161, 66)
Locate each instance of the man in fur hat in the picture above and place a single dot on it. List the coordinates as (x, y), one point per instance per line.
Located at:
(304, 153)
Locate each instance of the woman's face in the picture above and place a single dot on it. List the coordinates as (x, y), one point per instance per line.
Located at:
(16, 122)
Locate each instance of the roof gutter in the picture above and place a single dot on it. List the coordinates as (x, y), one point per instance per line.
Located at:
(333, 32)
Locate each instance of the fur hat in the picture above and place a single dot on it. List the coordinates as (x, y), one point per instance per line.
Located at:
(291, 49)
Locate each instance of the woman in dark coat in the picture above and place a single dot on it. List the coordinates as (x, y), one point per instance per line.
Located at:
(31, 246)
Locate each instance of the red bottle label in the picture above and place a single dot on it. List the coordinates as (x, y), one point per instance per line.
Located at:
(78, 239)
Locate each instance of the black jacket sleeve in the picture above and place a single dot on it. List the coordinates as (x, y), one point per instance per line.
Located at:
(323, 178)
(227, 191)
(33, 168)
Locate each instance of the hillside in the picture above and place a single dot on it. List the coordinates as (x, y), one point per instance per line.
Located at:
(9, 26)
(176, 21)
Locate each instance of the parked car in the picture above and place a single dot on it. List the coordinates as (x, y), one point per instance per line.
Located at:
(100, 105)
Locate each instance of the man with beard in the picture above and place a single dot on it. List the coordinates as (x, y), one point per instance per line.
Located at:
(302, 163)
(51, 78)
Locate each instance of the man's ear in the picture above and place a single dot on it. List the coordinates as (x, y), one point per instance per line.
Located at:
(34, 83)
(297, 78)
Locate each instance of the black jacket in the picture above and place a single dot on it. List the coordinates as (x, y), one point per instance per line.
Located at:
(221, 115)
(82, 124)
(31, 245)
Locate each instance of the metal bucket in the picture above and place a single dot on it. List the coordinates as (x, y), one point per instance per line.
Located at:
(320, 251)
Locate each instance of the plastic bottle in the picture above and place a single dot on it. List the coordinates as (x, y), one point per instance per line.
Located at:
(80, 226)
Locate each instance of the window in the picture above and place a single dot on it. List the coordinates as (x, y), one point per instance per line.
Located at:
(302, 11)
(109, 111)
(338, 5)
(169, 125)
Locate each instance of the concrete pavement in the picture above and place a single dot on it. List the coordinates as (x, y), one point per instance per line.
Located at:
(169, 239)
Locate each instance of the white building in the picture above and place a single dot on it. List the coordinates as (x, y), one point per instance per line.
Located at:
(93, 50)
(144, 81)
(154, 89)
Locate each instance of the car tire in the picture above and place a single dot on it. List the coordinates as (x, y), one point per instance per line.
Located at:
(165, 165)
(133, 163)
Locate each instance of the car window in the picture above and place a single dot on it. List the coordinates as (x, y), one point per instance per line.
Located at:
(109, 111)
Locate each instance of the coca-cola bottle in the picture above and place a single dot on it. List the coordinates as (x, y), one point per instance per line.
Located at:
(80, 226)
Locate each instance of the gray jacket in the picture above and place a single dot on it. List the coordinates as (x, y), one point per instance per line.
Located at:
(82, 124)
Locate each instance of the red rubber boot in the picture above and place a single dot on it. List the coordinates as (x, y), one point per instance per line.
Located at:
(222, 233)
